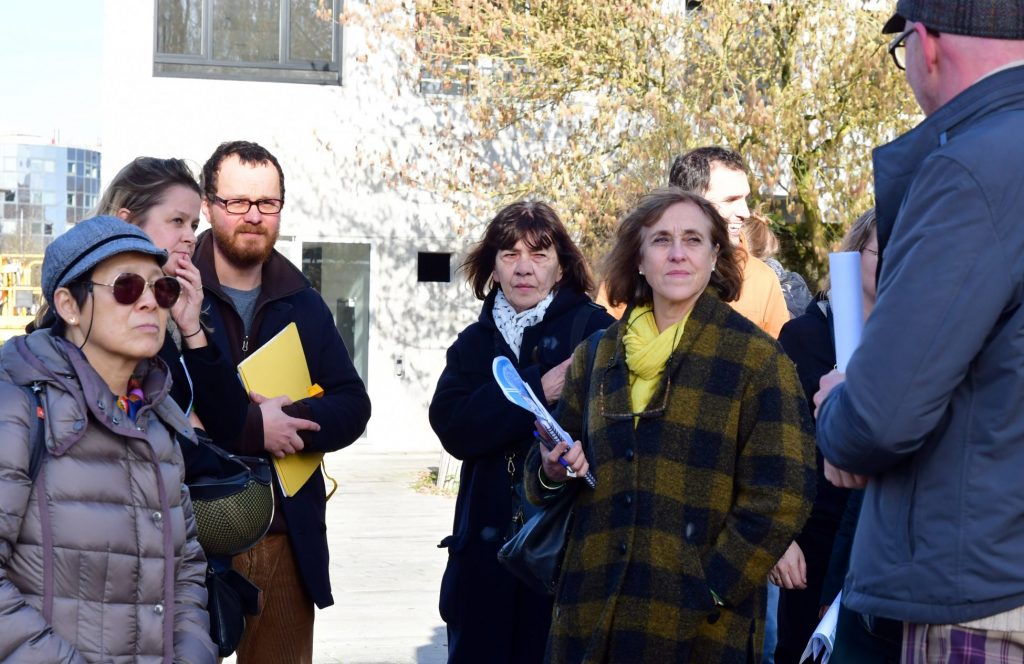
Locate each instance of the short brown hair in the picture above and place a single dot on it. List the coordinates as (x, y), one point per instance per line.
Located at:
(247, 153)
(692, 170)
(536, 224)
(623, 281)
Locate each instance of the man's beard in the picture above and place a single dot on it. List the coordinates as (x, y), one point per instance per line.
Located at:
(237, 251)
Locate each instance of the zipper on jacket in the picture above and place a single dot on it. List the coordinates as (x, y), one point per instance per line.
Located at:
(245, 344)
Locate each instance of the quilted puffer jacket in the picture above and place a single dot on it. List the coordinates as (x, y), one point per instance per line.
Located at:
(98, 556)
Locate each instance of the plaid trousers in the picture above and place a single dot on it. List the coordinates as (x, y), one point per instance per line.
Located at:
(955, 644)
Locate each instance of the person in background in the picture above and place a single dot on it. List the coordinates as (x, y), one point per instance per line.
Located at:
(702, 447)
(252, 292)
(98, 554)
(927, 415)
(533, 281)
(720, 175)
(812, 570)
(162, 197)
(764, 245)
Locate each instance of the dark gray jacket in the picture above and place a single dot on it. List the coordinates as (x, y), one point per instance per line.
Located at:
(933, 400)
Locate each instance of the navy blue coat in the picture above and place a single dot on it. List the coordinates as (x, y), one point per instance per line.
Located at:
(491, 616)
(286, 296)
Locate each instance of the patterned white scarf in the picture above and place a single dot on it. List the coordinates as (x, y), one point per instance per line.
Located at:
(513, 325)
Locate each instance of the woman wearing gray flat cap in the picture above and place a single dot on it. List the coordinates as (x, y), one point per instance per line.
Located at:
(98, 554)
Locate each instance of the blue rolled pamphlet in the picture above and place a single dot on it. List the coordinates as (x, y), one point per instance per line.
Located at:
(519, 392)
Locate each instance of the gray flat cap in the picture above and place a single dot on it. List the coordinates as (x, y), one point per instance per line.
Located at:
(86, 245)
(996, 19)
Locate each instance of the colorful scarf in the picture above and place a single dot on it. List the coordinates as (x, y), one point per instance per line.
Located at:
(131, 403)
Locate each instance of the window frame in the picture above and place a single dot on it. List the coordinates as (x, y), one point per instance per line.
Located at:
(325, 72)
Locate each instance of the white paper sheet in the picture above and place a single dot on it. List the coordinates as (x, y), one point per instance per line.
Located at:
(824, 637)
(847, 301)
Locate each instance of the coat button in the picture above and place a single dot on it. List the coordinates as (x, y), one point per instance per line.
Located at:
(158, 518)
(690, 530)
(100, 404)
(623, 548)
(79, 425)
(629, 454)
(713, 617)
(158, 609)
(628, 499)
(115, 420)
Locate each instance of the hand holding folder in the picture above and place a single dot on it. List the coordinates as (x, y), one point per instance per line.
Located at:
(278, 368)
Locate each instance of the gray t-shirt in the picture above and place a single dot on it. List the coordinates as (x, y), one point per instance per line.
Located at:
(245, 304)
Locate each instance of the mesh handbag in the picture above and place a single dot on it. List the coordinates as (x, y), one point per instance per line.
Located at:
(233, 504)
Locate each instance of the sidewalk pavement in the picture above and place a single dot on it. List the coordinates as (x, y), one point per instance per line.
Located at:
(385, 565)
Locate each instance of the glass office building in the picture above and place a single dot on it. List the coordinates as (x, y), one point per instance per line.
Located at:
(44, 188)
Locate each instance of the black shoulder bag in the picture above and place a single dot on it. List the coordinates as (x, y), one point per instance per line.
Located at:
(534, 554)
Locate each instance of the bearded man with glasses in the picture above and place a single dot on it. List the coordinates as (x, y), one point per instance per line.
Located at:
(253, 293)
(928, 415)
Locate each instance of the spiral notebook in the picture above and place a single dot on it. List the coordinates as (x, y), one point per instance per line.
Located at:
(278, 368)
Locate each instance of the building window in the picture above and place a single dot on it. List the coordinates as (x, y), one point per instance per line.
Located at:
(432, 266)
(291, 41)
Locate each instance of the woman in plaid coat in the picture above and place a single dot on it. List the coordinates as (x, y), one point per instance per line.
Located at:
(703, 449)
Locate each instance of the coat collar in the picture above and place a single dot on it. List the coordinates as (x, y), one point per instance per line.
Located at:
(279, 277)
(897, 163)
(565, 300)
(61, 367)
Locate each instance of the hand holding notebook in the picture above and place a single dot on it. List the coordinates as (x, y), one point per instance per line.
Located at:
(278, 368)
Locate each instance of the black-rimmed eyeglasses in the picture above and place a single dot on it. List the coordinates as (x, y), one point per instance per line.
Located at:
(898, 49)
(243, 205)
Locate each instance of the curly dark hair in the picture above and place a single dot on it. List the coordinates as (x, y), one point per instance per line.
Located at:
(247, 153)
(536, 224)
(624, 283)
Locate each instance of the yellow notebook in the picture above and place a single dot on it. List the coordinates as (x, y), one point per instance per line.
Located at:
(278, 368)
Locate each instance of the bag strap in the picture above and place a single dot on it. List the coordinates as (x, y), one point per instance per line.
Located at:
(35, 427)
(592, 342)
(37, 456)
(579, 323)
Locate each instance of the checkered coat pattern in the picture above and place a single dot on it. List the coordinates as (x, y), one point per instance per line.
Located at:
(706, 493)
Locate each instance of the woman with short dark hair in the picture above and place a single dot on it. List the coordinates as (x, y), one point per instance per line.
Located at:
(702, 446)
(533, 281)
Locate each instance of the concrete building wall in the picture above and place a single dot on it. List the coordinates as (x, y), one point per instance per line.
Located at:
(321, 135)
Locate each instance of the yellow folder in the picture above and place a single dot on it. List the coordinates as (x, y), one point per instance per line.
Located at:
(279, 368)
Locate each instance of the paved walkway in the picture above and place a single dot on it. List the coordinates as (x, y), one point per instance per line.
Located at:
(385, 564)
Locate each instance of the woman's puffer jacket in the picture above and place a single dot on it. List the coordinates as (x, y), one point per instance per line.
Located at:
(110, 570)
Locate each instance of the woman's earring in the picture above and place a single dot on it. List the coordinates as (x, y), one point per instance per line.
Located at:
(641, 271)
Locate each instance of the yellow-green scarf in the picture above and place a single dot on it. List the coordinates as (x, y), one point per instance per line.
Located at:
(647, 352)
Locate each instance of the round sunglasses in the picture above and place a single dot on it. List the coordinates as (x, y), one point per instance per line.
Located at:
(128, 287)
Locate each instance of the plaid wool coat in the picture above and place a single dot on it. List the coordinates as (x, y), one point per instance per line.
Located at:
(706, 493)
